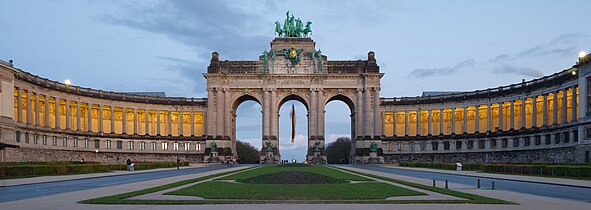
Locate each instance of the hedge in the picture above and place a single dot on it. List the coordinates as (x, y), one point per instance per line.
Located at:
(45, 169)
(538, 169)
(444, 166)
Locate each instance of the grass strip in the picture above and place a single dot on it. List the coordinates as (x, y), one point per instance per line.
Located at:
(471, 198)
(327, 171)
(122, 198)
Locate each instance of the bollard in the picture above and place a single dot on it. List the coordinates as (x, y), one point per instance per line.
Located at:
(478, 185)
(493, 185)
(446, 184)
(433, 182)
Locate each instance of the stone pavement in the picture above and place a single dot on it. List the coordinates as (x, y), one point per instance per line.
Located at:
(537, 179)
(69, 200)
(42, 179)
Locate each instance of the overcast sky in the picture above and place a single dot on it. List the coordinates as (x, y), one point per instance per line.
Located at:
(420, 45)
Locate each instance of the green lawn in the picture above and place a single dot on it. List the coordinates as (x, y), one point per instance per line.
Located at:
(327, 171)
(221, 192)
(344, 191)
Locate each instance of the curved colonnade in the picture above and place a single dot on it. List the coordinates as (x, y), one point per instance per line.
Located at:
(77, 123)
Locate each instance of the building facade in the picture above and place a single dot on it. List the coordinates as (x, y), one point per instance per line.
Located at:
(542, 120)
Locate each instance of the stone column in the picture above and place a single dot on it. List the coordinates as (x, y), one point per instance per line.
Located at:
(170, 122)
(406, 123)
(228, 116)
(219, 113)
(555, 110)
(47, 111)
(574, 103)
(180, 128)
(57, 113)
(429, 126)
(501, 117)
(368, 112)
(193, 123)
(124, 120)
(112, 119)
(38, 110)
(545, 110)
(158, 122)
(465, 127)
(19, 105)
(313, 116)
(211, 115)
(441, 121)
(523, 113)
(147, 118)
(418, 122)
(68, 115)
(78, 116)
(489, 117)
(89, 115)
(453, 120)
(477, 119)
(394, 124)
(100, 118)
(135, 127)
(266, 115)
(534, 112)
(512, 115)
(377, 117)
(564, 106)
(320, 114)
(274, 114)
(29, 108)
(359, 114)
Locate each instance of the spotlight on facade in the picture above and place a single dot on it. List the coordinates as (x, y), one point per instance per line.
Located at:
(582, 54)
(68, 82)
(573, 71)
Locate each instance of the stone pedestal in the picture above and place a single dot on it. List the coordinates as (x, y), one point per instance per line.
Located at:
(270, 159)
(317, 158)
(212, 158)
(375, 159)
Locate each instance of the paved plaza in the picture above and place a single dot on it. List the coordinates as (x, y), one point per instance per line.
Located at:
(69, 200)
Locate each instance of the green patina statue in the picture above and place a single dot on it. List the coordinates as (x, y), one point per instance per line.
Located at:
(373, 147)
(213, 146)
(292, 27)
(269, 146)
(317, 146)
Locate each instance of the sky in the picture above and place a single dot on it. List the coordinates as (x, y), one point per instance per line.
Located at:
(151, 45)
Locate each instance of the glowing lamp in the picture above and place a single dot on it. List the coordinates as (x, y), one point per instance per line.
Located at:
(582, 54)
(68, 82)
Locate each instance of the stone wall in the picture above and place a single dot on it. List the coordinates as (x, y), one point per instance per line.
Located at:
(32, 154)
(553, 155)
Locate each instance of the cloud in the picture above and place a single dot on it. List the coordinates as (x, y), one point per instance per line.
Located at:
(190, 82)
(300, 142)
(203, 25)
(422, 73)
(525, 71)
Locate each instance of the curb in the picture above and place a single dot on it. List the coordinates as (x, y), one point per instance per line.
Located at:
(484, 177)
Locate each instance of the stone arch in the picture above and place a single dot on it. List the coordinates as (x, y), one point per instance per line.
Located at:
(344, 98)
(242, 98)
(293, 96)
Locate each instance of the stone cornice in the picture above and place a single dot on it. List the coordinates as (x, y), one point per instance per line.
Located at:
(107, 95)
(503, 91)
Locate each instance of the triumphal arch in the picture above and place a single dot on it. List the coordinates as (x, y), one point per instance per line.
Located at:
(294, 69)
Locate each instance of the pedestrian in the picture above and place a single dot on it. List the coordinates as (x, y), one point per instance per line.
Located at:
(178, 163)
(128, 164)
